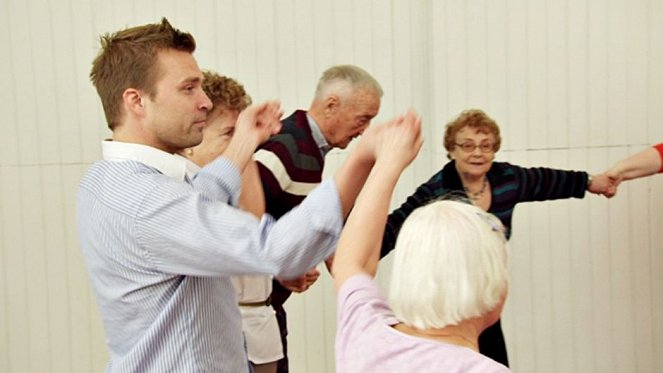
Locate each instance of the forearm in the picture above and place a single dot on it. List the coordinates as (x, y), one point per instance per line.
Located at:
(240, 152)
(350, 179)
(252, 198)
(319, 217)
(644, 163)
(360, 242)
(395, 146)
(218, 240)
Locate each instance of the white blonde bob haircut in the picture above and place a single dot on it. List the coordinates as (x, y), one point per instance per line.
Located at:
(450, 265)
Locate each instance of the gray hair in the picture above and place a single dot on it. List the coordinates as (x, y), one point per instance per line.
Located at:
(344, 79)
(450, 265)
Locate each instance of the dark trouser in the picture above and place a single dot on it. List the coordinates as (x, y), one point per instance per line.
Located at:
(279, 296)
(491, 344)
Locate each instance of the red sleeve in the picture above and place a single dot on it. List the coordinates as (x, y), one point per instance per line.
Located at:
(659, 147)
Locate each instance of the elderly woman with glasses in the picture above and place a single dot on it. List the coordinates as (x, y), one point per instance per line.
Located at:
(472, 140)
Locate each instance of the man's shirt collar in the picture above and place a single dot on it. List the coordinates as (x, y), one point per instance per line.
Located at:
(319, 138)
(168, 164)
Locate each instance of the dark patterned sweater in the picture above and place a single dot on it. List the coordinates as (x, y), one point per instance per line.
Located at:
(290, 165)
(509, 184)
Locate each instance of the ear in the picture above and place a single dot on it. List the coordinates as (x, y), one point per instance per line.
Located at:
(332, 104)
(133, 101)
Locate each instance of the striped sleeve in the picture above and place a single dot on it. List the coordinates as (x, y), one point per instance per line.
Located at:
(542, 184)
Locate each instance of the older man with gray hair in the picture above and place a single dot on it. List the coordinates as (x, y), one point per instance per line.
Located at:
(346, 99)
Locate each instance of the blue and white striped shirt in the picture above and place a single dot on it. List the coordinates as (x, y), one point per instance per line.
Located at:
(160, 252)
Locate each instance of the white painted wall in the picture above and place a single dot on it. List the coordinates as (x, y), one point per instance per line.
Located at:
(573, 84)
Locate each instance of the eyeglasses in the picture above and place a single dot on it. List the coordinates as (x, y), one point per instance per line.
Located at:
(485, 147)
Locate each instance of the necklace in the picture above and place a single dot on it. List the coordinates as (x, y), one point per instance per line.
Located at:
(476, 195)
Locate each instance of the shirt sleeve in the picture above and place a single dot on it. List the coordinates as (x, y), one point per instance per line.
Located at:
(543, 184)
(360, 305)
(198, 233)
(220, 180)
(659, 148)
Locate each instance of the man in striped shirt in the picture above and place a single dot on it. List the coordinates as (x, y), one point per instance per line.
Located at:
(160, 248)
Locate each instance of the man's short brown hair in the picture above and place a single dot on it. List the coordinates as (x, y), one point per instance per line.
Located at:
(127, 59)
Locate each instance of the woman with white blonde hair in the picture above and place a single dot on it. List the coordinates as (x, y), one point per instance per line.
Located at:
(454, 255)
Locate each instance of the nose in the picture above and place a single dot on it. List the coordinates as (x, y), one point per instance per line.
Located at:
(205, 103)
(364, 127)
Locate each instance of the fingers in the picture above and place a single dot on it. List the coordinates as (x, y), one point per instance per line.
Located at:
(268, 117)
(258, 122)
(416, 126)
(302, 283)
(312, 273)
(295, 285)
(402, 139)
(311, 277)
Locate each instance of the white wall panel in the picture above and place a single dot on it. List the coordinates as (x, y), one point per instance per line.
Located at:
(57, 269)
(4, 295)
(496, 59)
(288, 81)
(41, 60)
(639, 248)
(579, 332)
(577, 96)
(654, 72)
(15, 303)
(600, 270)
(634, 127)
(573, 84)
(560, 247)
(656, 265)
(34, 271)
(23, 82)
(621, 301)
(539, 271)
(557, 74)
(537, 70)
(323, 26)
(454, 59)
(516, 123)
(304, 54)
(597, 44)
(616, 70)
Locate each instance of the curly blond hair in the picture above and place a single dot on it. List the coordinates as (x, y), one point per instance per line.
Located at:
(224, 92)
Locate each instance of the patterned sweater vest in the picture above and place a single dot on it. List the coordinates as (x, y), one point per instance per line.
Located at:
(290, 165)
